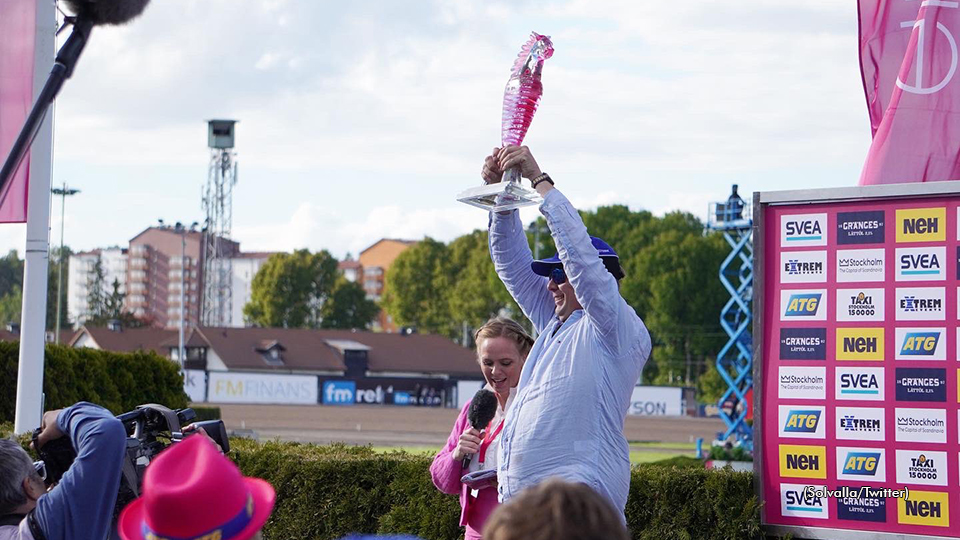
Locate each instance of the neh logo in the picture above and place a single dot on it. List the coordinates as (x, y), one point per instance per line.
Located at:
(803, 230)
(921, 264)
(858, 508)
(802, 382)
(860, 344)
(922, 467)
(860, 305)
(860, 227)
(803, 461)
(920, 304)
(802, 422)
(921, 225)
(860, 265)
(921, 425)
(921, 384)
(803, 343)
(863, 464)
(803, 266)
(860, 424)
(924, 508)
(800, 500)
(803, 305)
(921, 344)
(864, 384)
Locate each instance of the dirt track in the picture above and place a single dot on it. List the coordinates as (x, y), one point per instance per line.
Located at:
(411, 426)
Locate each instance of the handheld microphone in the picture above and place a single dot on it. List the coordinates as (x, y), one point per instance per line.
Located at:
(107, 11)
(482, 410)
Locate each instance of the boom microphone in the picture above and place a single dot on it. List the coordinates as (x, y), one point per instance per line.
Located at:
(107, 11)
(482, 410)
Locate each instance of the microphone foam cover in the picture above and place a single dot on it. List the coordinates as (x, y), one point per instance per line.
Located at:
(482, 409)
(107, 11)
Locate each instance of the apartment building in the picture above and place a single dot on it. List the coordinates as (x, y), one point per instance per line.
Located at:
(374, 263)
(82, 266)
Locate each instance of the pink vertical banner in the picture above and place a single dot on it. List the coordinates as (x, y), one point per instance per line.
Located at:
(917, 137)
(17, 35)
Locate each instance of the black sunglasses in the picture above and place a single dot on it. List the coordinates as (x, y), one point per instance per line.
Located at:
(558, 276)
(41, 468)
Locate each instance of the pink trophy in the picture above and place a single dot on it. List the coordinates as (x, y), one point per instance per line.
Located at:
(520, 100)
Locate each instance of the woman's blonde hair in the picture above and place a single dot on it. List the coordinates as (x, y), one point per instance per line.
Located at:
(506, 328)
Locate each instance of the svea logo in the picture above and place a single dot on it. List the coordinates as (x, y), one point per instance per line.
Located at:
(803, 266)
(803, 461)
(872, 509)
(803, 343)
(922, 264)
(921, 304)
(860, 305)
(922, 467)
(861, 464)
(860, 424)
(860, 227)
(922, 225)
(860, 265)
(802, 382)
(862, 384)
(860, 344)
(921, 344)
(803, 422)
(924, 508)
(803, 230)
(921, 425)
(922, 384)
(799, 500)
(801, 305)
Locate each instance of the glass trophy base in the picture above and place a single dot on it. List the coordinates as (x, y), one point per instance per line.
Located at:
(500, 197)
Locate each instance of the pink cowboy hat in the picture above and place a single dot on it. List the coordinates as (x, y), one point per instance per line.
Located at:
(192, 490)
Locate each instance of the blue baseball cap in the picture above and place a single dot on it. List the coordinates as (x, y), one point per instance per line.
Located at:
(607, 255)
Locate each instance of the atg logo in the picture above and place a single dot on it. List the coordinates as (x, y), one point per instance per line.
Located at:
(860, 344)
(800, 500)
(924, 508)
(803, 461)
(921, 384)
(921, 225)
(864, 464)
(920, 304)
(860, 227)
(924, 467)
(921, 344)
(859, 384)
(802, 422)
(860, 305)
(803, 266)
(921, 264)
(803, 305)
(803, 230)
(860, 424)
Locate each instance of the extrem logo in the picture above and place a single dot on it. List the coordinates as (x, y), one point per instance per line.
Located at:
(860, 424)
(920, 304)
(803, 266)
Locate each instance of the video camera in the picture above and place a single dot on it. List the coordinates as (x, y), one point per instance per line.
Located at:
(150, 429)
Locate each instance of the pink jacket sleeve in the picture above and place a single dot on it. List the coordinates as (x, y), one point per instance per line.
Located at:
(445, 471)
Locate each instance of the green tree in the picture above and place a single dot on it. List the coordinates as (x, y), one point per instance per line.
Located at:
(11, 273)
(291, 289)
(53, 278)
(10, 305)
(476, 292)
(417, 288)
(97, 294)
(348, 307)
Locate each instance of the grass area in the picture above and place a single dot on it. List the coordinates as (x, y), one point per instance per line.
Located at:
(637, 457)
(657, 444)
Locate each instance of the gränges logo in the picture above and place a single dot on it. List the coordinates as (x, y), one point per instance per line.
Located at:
(921, 384)
(803, 343)
(860, 227)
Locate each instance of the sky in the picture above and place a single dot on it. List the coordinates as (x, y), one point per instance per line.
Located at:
(363, 120)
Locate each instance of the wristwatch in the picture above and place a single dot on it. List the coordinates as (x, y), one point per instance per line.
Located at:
(542, 177)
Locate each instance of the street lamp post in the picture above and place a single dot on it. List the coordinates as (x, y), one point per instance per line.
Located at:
(183, 255)
(63, 192)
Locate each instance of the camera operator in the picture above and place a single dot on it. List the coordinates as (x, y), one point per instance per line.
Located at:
(81, 504)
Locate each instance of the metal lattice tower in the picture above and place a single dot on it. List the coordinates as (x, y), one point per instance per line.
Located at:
(735, 359)
(218, 207)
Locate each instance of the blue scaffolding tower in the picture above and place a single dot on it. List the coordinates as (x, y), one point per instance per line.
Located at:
(735, 359)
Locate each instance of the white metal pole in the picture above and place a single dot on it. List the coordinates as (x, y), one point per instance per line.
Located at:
(183, 250)
(33, 316)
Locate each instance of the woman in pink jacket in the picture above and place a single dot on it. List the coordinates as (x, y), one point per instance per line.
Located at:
(502, 347)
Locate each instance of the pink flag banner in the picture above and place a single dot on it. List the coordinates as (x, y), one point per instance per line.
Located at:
(17, 33)
(908, 58)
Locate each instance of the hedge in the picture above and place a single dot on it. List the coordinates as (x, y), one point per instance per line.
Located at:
(117, 381)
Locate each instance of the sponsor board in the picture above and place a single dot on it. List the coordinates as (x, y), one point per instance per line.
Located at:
(922, 467)
(803, 305)
(921, 384)
(237, 387)
(860, 227)
(860, 265)
(655, 401)
(861, 384)
(861, 464)
(921, 344)
(802, 382)
(799, 500)
(803, 421)
(803, 230)
(924, 508)
(922, 264)
(860, 344)
(803, 343)
(860, 305)
(921, 304)
(921, 225)
(858, 508)
(860, 424)
(803, 266)
(798, 461)
(921, 425)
